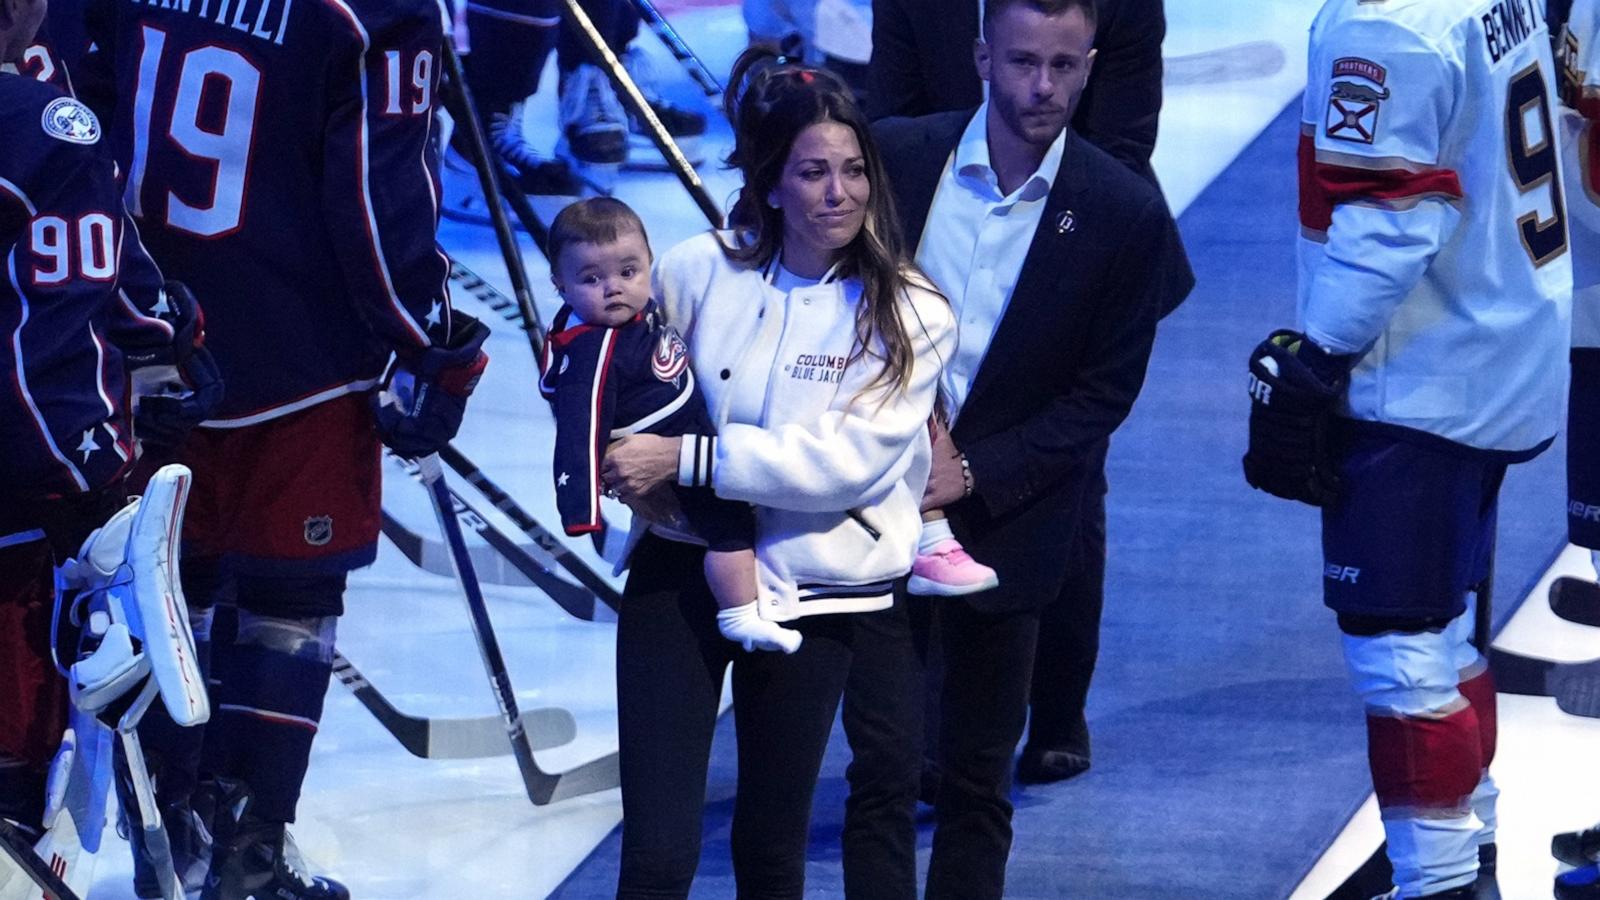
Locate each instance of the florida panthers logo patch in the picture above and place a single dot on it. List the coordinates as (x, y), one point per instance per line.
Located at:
(319, 530)
(671, 356)
(68, 120)
(1353, 108)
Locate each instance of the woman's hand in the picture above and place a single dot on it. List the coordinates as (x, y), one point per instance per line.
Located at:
(639, 463)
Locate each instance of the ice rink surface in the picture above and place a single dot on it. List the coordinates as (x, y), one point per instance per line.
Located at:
(394, 826)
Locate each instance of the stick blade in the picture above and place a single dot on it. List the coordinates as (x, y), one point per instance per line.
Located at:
(592, 777)
(1576, 600)
(1576, 687)
(485, 737)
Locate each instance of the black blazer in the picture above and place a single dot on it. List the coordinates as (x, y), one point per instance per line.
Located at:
(1067, 359)
(922, 63)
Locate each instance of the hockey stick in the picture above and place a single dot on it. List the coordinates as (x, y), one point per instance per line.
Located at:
(1574, 685)
(458, 102)
(455, 738)
(17, 847)
(513, 565)
(628, 93)
(488, 180)
(669, 36)
(577, 601)
(1576, 599)
(542, 787)
(530, 526)
(431, 556)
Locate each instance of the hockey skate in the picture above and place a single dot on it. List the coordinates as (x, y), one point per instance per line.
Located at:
(536, 175)
(685, 126)
(1582, 883)
(254, 859)
(188, 827)
(594, 133)
(947, 570)
(1577, 848)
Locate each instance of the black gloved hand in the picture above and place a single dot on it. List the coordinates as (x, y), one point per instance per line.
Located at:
(420, 407)
(175, 386)
(1294, 385)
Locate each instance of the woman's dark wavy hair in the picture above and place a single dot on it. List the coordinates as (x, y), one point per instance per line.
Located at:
(771, 100)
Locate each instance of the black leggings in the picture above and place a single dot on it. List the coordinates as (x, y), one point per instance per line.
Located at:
(670, 666)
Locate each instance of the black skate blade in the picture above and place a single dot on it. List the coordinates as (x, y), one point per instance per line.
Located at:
(1576, 600)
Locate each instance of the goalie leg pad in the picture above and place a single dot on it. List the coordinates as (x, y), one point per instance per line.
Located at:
(271, 705)
(1425, 753)
(130, 602)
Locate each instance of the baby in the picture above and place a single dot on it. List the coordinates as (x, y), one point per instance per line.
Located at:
(613, 367)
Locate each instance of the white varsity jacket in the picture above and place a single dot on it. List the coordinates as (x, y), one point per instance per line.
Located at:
(836, 475)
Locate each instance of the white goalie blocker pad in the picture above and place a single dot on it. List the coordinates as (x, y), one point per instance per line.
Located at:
(75, 813)
(131, 603)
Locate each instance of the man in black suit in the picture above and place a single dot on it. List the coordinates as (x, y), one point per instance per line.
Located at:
(1058, 261)
(922, 63)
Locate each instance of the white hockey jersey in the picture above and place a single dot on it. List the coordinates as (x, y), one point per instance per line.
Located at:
(1434, 228)
(1578, 50)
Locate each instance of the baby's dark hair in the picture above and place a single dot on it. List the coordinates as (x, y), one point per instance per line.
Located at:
(596, 220)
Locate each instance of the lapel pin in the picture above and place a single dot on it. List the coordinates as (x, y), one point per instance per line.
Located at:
(1067, 221)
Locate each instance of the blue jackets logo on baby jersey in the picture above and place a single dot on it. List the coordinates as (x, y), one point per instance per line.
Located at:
(71, 121)
(319, 530)
(671, 356)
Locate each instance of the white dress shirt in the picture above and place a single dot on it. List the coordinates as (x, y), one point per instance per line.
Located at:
(975, 242)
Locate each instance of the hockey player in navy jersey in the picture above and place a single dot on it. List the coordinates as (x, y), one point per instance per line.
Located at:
(1435, 290)
(280, 157)
(89, 326)
(613, 367)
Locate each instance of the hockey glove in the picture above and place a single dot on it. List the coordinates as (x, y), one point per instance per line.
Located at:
(420, 407)
(1294, 385)
(175, 386)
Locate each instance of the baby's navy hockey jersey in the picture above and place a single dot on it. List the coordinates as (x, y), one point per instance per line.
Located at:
(607, 383)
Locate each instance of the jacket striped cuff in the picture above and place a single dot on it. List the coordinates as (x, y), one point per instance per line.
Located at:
(695, 456)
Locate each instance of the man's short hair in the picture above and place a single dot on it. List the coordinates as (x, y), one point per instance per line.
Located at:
(994, 8)
(597, 220)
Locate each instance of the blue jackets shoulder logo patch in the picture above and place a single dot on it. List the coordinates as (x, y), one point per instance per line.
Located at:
(68, 120)
(671, 356)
